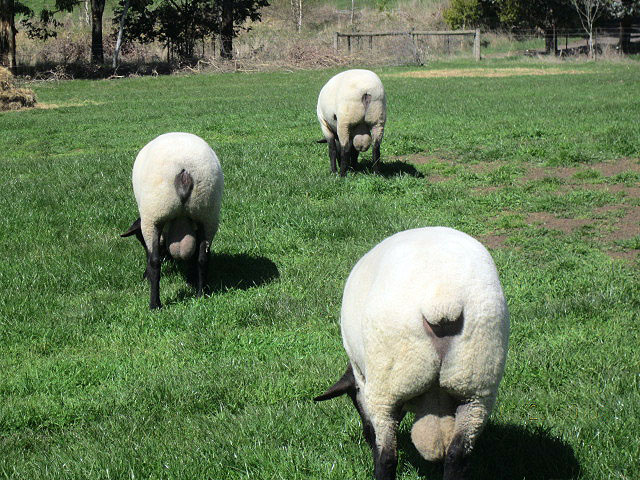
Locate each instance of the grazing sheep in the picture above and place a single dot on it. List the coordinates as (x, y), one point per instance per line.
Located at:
(425, 325)
(178, 183)
(352, 110)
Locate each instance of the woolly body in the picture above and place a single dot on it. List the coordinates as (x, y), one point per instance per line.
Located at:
(352, 111)
(154, 173)
(178, 183)
(425, 325)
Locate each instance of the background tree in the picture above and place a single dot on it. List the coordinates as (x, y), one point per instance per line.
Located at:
(545, 15)
(179, 24)
(589, 11)
(296, 13)
(45, 26)
(624, 12)
(122, 21)
(463, 13)
(537, 15)
(97, 48)
(8, 11)
(226, 30)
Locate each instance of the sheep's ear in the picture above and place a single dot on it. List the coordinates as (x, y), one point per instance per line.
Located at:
(346, 384)
(324, 140)
(133, 229)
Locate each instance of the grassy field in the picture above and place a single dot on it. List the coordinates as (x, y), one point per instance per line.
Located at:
(541, 167)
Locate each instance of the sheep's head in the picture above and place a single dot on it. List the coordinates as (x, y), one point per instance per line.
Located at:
(361, 137)
(180, 239)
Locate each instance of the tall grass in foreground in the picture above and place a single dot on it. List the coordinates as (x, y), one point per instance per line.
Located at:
(94, 385)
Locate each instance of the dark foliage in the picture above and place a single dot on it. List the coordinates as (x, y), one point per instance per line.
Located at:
(179, 24)
(44, 25)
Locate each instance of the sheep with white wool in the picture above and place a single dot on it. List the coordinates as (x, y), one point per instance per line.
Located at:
(352, 110)
(425, 325)
(178, 182)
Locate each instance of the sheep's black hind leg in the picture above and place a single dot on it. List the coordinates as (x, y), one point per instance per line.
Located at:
(203, 259)
(333, 153)
(154, 262)
(367, 427)
(470, 420)
(354, 158)
(345, 158)
(385, 455)
(376, 157)
(456, 463)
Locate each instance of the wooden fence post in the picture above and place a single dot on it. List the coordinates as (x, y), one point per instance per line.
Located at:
(335, 41)
(476, 45)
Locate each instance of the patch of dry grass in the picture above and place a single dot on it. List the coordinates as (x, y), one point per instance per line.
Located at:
(12, 97)
(488, 72)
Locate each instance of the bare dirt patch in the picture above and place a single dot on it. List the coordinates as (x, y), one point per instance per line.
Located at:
(566, 225)
(487, 72)
(494, 241)
(606, 169)
(614, 224)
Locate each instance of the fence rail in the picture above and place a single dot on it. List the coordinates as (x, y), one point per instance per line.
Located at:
(413, 34)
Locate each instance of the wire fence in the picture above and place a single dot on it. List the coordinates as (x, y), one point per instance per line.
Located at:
(422, 45)
(419, 43)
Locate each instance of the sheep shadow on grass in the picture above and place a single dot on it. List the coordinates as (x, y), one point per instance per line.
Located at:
(229, 271)
(239, 271)
(506, 452)
(389, 169)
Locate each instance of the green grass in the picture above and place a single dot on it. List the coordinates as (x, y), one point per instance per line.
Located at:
(96, 386)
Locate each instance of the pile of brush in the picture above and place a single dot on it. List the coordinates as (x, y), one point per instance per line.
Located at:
(11, 97)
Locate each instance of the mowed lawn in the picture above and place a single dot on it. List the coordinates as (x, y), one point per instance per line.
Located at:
(541, 167)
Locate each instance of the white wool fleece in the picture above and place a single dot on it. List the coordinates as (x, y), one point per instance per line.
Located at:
(342, 113)
(154, 173)
(434, 275)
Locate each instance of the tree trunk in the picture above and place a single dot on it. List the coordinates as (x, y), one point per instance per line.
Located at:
(7, 35)
(549, 41)
(624, 40)
(226, 30)
(123, 19)
(97, 50)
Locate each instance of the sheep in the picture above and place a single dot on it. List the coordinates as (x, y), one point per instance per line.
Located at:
(425, 326)
(352, 110)
(178, 182)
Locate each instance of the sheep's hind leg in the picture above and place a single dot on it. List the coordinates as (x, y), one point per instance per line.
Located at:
(154, 262)
(333, 153)
(367, 427)
(376, 157)
(377, 132)
(344, 147)
(385, 422)
(353, 160)
(345, 158)
(203, 259)
(470, 420)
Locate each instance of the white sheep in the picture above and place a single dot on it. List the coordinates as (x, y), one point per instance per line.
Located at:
(178, 182)
(352, 110)
(425, 326)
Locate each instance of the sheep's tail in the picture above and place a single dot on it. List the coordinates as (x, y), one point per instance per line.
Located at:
(443, 317)
(184, 185)
(366, 100)
(346, 384)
